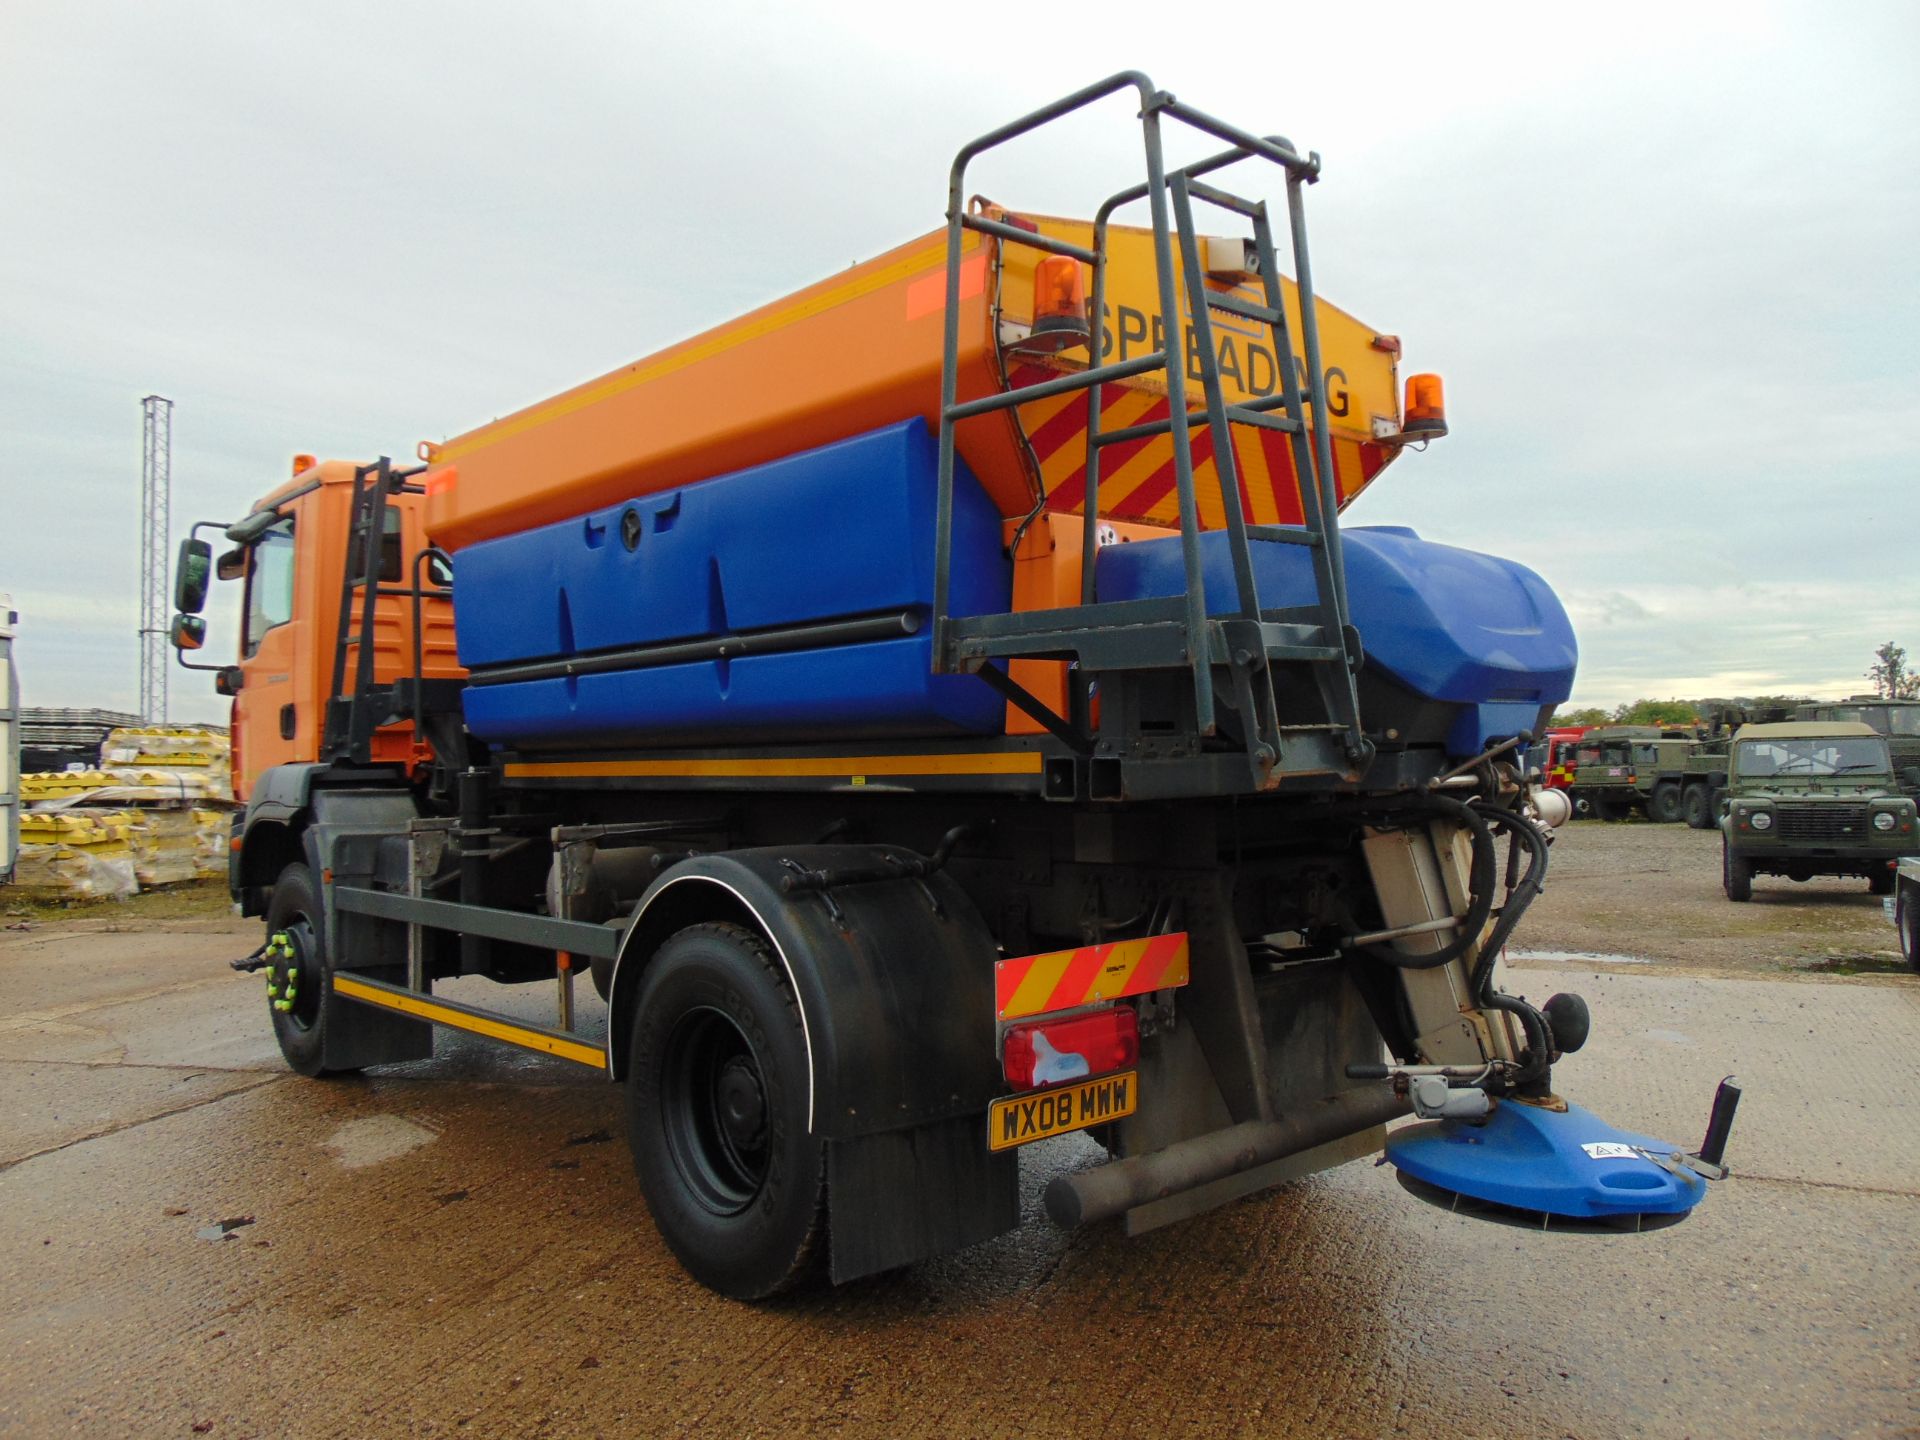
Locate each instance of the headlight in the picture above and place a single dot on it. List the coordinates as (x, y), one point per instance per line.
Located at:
(1884, 820)
(1763, 819)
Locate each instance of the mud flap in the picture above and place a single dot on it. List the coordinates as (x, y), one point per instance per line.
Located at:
(908, 1195)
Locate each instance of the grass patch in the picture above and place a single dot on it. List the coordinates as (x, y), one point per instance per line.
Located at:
(190, 900)
(1851, 965)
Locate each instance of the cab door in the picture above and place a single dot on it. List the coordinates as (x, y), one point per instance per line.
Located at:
(270, 727)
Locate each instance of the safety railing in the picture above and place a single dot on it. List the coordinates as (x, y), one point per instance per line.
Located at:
(1161, 634)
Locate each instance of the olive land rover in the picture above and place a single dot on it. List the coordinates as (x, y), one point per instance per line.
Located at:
(1813, 798)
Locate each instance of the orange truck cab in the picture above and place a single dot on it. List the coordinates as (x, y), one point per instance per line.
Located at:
(291, 554)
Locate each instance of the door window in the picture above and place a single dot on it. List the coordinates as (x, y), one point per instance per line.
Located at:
(269, 584)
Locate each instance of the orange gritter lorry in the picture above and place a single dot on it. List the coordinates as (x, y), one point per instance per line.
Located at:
(939, 711)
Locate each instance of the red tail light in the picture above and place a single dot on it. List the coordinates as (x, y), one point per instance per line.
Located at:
(1055, 1051)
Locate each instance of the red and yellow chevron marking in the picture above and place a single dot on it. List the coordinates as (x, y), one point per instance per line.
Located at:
(1063, 979)
(1137, 480)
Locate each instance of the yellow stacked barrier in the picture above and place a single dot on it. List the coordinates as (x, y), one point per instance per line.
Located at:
(88, 855)
(154, 813)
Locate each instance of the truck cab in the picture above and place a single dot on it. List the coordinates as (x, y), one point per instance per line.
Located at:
(299, 559)
(1898, 720)
(1614, 769)
(1813, 798)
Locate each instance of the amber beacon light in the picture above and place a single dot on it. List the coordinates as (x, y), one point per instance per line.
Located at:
(1426, 409)
(1059, 304)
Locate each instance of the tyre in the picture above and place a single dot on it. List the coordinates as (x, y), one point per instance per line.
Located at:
(1906, 915)
(1880, 883)
(717, 1114)
(1736, 873)
(1663, 805)
(1608, 809)
(1696, 807)
(298, 971)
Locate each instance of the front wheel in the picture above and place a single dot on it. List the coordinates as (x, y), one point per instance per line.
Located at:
(1663, 805)
(717, 1114)
(298, 972)
(1736, 873)
(1906, 914)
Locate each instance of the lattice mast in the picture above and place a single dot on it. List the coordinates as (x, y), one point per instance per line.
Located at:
(156, 483)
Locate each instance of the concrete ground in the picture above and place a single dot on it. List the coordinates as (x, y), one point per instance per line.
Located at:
(459, 1246)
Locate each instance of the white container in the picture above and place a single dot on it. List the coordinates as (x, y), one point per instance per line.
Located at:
(9, 744)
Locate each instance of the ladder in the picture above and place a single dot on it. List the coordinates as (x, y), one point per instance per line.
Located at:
(1231, 658)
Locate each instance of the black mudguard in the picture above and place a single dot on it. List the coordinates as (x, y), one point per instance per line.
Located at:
(894, 979)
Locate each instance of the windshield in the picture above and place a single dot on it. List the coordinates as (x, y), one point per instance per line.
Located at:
(1887, 719)
(1609, 752)
(1894, 719)
(1812, 755)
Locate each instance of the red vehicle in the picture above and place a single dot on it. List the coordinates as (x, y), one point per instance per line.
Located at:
(1555, 755)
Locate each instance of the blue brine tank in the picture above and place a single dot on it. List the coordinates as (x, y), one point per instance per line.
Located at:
(1484, 640)
(578, 633)
(844, 533)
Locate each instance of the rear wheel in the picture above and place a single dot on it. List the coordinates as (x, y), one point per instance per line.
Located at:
(1663, 805)
(1736, 873)
(1697, 807)
(717, 1114)
(298, 972)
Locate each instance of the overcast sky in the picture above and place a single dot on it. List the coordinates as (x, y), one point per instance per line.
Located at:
(1663, 255)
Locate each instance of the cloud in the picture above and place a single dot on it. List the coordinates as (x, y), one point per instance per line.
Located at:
(1664, 267)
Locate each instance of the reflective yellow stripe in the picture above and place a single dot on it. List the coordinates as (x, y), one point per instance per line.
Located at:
(461, 1020)
(718, 344)
(1019, 762)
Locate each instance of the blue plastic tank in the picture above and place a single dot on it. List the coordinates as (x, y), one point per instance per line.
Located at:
(843, 532)
(1484, 634)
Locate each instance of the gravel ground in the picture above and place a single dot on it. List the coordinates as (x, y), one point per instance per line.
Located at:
(1651, 893)
(458, 1247)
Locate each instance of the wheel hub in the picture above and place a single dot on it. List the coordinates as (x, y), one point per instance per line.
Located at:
(743, 1108)
(293, 978)
(714, 1109)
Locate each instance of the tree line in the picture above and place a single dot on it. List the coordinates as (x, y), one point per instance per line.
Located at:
(1890, 677)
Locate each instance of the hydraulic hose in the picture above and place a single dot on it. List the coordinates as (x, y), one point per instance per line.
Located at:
(1521, 890)
(1520, 894)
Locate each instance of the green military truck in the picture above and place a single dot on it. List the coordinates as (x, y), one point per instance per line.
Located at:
(1808, 798)
(1664, 773)
(1898, 720)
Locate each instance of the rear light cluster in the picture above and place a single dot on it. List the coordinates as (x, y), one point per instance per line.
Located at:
(1048, 1052)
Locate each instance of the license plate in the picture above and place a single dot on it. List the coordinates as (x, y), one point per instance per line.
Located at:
(1022, 1119)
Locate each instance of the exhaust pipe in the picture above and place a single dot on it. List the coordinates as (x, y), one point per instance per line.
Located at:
(1121, 1185)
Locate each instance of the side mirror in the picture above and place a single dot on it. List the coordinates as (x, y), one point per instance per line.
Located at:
(233, 564)
(188, 632)
(190, 577)
(229, 680)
